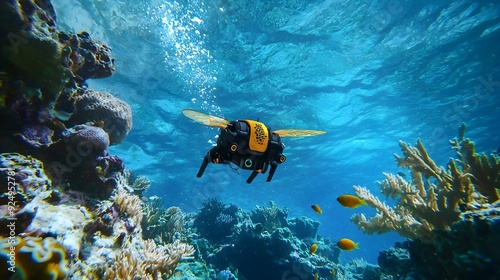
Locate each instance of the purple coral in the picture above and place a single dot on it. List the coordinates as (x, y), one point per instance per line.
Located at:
(88, 58)
(95, 106)
(36, 135)
(88, 139)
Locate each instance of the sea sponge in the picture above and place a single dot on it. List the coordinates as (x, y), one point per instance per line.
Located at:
(32, 258)
(92, 106)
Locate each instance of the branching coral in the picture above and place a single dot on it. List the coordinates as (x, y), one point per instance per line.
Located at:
(215, 221)
(159, 223)
(437, 196)
(151, 262)
(129, 204)
(271, 217)
(140, 185)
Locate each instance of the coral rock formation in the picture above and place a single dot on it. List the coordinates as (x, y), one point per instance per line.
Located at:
(94, 106)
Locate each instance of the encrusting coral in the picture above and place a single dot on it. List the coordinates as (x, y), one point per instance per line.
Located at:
(437, 196)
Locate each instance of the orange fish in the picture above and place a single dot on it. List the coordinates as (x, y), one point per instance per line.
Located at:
(351, 201)
(313, 248)
(317, 209)
(347, 244)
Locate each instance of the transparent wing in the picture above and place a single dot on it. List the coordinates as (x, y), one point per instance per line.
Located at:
(298, 132)
(205, 119)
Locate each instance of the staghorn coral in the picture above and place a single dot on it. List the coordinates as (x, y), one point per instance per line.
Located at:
(34, 258)
(129, 204)
(151, 262)
(161, 224)
(437, 196)
(140, 184)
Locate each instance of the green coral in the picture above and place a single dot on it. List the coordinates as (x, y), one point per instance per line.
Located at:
(39, 61)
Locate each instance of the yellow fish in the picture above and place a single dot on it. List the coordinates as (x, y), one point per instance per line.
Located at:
(313, 248)
(350, 201)
(316, 209)
(347, 244)
(333, 273)
(316, 276)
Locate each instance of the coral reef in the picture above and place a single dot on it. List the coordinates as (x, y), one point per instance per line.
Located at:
(139, 184)
(27, 179)
(87, 58)
(150, 262)
(43, 86)
(261, 244)
(271, 217)
(215, 221)
(76, 216)
(129, 204)
(437, 196)
(162, 225)
(467, 251)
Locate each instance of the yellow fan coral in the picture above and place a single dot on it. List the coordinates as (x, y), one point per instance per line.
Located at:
(32, 258)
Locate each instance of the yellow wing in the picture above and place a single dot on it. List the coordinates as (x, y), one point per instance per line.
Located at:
(205, 119)
(298, 132)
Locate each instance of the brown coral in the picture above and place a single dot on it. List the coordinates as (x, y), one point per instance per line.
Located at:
(129, 204)
(96, 106)
(151, 262)
(437, 196)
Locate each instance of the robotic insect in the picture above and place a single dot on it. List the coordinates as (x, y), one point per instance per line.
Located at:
(250, 145)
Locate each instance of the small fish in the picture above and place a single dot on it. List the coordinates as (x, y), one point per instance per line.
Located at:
(333, 273)
(317, 209)
(313, 248)
(401, 174)
(347, 244)
(350, 201)
(316, 276)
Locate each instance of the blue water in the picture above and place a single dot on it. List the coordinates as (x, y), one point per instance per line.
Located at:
(370, 73)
